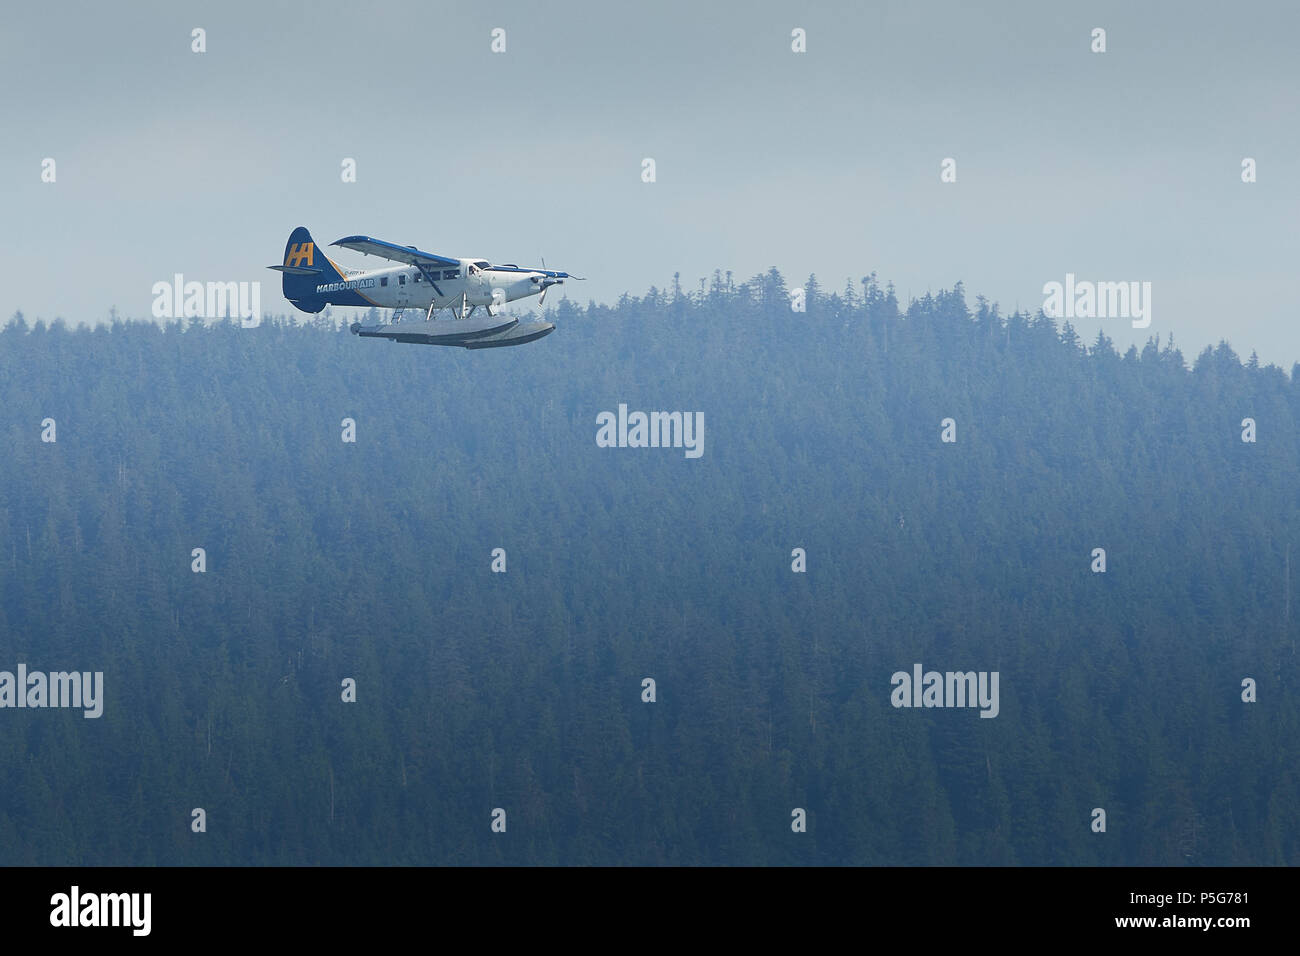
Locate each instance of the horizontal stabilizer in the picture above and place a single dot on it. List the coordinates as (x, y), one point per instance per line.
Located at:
(297, 270)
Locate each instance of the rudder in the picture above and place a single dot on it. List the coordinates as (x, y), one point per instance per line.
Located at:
(304, 268)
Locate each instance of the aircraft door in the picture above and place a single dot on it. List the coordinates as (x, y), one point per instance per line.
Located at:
(476, 285)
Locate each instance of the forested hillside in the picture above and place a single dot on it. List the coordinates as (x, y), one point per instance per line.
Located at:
(522, 690)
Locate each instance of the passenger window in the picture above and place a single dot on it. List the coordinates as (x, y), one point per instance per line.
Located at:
(450, 274)
(401, 280)
(383, 280)
(416, 277)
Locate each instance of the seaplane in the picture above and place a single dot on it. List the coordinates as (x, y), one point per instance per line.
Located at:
(422, 282)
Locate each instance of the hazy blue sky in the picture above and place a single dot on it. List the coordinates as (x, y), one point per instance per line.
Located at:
(1115, 166)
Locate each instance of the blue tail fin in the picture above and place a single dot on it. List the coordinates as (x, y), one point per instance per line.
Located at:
(306, 267)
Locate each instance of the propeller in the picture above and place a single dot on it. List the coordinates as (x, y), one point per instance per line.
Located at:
(547, 281)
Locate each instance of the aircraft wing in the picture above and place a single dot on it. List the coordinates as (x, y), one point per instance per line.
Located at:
(511, 267)
(391, 250)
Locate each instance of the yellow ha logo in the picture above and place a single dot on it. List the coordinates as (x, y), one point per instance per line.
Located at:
(300, 253)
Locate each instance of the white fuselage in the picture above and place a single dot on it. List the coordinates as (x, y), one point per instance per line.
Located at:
(409, 287)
